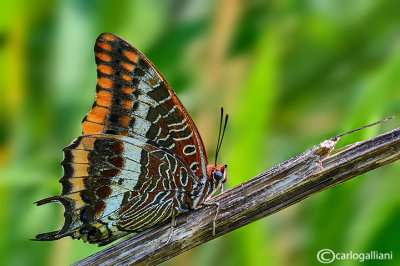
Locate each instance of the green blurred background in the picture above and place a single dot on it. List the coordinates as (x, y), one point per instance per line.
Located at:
(289, 73)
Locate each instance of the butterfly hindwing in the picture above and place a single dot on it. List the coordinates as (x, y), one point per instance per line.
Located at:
(116, 184)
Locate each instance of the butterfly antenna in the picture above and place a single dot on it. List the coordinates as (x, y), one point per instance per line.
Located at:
(219, 134)
(222, 137)
(223, 132)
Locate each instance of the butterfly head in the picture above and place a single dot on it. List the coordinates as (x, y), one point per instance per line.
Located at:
(217, 175)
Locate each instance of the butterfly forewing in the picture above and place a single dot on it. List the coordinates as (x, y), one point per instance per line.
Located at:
(133, 97)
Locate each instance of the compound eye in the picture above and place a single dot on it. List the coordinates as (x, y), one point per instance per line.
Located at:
(218, 176)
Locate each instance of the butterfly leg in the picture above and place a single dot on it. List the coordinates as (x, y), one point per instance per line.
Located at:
(172, 224)
(216, 213)
(175, 212)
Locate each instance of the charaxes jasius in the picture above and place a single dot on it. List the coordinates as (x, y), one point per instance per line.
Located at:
(140, 160)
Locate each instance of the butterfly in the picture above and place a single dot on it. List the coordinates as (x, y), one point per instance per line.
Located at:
(140, 160)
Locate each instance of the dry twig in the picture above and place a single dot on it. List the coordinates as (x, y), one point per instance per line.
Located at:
(283, 185)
